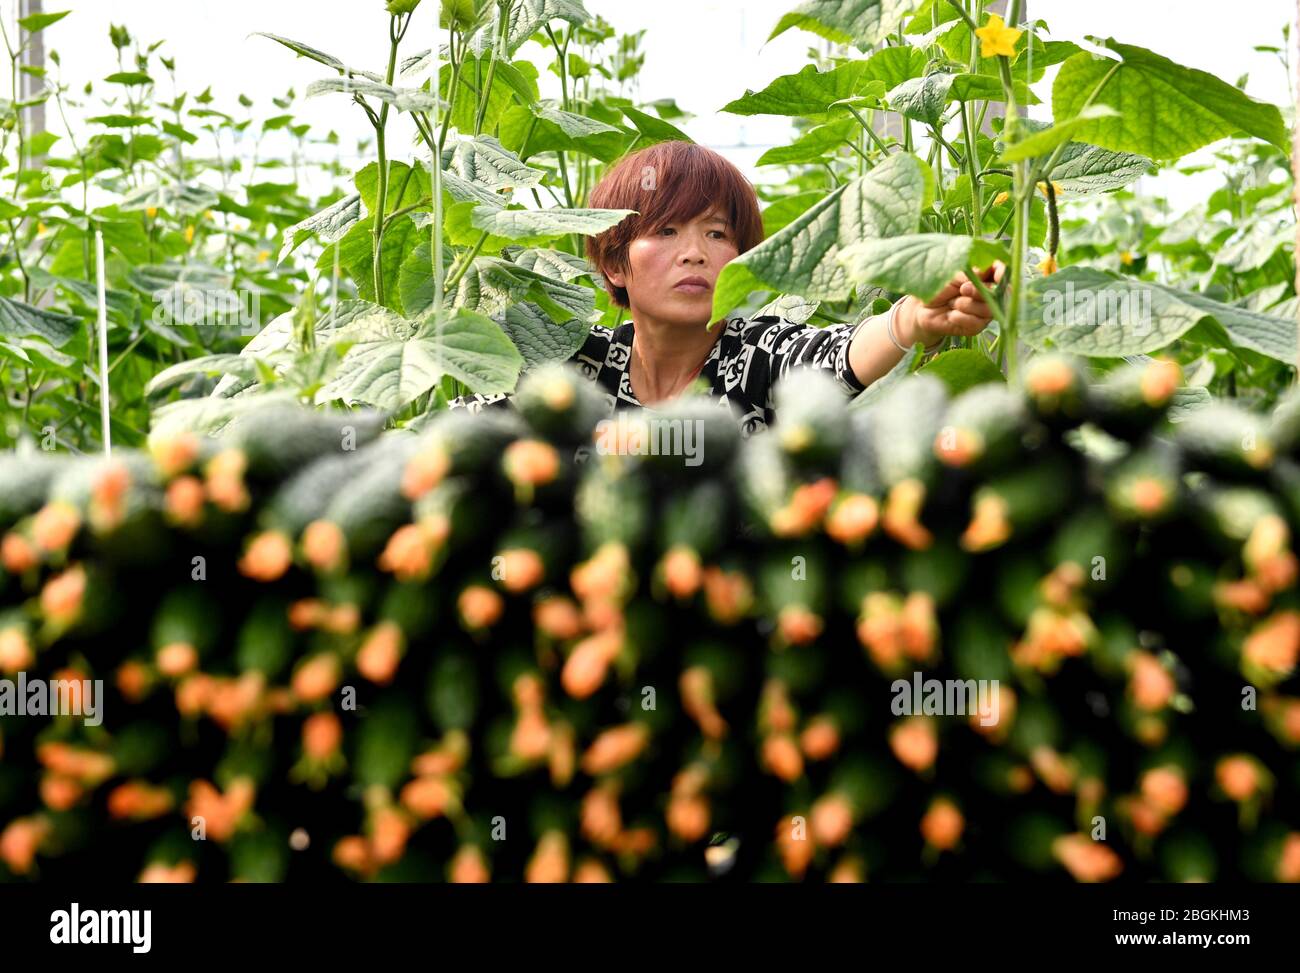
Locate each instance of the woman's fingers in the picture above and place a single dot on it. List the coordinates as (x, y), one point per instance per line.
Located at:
(975, 306)
(961, 289)
(950, 291)
(966, 324)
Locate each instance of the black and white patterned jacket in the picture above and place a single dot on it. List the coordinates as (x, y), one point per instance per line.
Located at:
(744, 364)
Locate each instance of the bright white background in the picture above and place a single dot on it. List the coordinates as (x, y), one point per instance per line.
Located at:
(703, 53)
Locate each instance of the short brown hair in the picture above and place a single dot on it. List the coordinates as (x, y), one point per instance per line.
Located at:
(685, 180)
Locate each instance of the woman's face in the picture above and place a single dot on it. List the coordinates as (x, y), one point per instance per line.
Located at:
(659, 263)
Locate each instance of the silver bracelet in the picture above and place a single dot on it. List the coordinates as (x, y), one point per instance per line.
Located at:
(889, 328)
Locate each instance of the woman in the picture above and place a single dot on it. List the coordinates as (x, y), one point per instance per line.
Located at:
(695, 212)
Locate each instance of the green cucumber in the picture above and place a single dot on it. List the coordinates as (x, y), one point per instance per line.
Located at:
(559, 404)
(1144, 485)
(281, 437)
(812, 425)
(1134, 398)
(984, 428)
(904, 423)
(1224, 439)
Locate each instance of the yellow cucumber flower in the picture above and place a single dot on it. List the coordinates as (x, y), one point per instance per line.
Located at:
(997, 38)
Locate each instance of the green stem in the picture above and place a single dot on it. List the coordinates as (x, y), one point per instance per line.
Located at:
(463, 265)
(956, 5)
(853, 145)
(127, 350)
(959, 158)
(871, 132)
(381, 187)
(1007, 346)
(503, 11)
(18, 256)
(973, 169)
(1053, 220)
(406, 209)
(451, 90)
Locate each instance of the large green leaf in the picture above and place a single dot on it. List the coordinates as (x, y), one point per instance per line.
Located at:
(920, 263)
(555, 130)
(1165, 110)
(355, 250)
(485, 162)
(391, 360)
(894, 65)
(356, 256)
(924, 98)
(320, 57)
(813, 146)
(329, 225)
(810, 92)
(653, 129)
(414, 186)
(862, 22)
(460, 190)
(242, 367)
(491, 285)
(530, 16)
(538, 338)
(403, 99)
(801, 257)
(1082, 168)
(539, 225)
(556, 264)
(1090, 312)
(171, 197)
(546, 317)
(962, 368)
(19, 320)
(988, 87)
(780, 214)
(508, 82)
(1043, 142)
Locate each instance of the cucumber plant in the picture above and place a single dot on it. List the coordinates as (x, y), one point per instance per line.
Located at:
(174, 183)
(931, 71)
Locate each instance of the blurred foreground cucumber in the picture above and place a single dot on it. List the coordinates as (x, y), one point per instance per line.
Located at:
(919, 637)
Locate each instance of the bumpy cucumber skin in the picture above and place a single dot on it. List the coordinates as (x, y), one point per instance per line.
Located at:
(1224, 439)
(281, 438)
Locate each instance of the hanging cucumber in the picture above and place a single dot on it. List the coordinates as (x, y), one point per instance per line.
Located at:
(904, 424)
(369, 507)
(1057, 390)
(984, 429)
(25, 481)
(812, 425)
(1013, 504)
(1224, 439)
(280, 437)
(1134, 398)
(559, 404)
(1146, 484)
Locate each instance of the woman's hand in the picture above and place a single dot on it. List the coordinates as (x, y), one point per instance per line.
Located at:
(959, 309)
